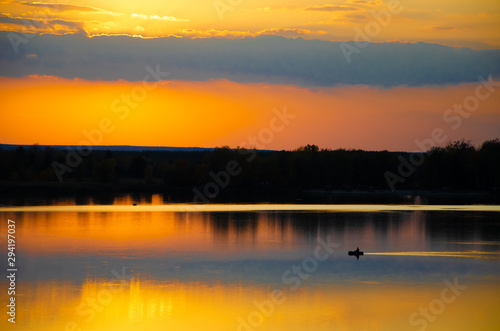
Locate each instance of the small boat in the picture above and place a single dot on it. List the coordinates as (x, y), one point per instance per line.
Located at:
(355, 253)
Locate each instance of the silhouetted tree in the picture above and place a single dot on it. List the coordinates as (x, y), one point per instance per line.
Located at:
(137, 167)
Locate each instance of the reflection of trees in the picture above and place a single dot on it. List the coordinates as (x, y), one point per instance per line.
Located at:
(462, 226)
(409, 228)
(239, 224)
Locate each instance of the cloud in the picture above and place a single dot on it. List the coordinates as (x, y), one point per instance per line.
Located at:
(213, 33)
(264, 58)
(355, 16)
(160, 18)
(10, 20)
(330, 8)
(445, 28)
(287, 32)
(92, 20)
(366, 3)
(61, 7)
(55, 26)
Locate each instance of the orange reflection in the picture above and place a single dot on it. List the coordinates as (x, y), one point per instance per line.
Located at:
(156, 230)
(148, 233)
(145, 304)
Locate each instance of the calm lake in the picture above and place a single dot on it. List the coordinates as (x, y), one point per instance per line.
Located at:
(253, 267)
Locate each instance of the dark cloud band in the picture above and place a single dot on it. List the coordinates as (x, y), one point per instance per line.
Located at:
(263, 59)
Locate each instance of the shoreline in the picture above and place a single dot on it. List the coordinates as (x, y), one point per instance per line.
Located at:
(18, 193)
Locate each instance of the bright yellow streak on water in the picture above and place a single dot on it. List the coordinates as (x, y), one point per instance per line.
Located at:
(249, 207)
(494, 243)
(142, 304)
(466, 254)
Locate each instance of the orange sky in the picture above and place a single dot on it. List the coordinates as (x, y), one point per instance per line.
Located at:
(49, 110)
(455, 23)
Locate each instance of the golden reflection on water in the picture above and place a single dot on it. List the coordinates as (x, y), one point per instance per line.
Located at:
(148, 233)
(145, 304)
(142, 234)
(157, 301)
(464, 254)
(485, 243)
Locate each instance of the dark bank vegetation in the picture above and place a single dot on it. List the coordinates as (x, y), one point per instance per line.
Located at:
(457, 166)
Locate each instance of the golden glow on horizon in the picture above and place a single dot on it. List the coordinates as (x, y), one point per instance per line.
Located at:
(219, 112)
(473, 24)
(169, 115)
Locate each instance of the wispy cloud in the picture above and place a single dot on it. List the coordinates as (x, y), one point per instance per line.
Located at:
(57, 18)
(54, 26)
(286, 32)
(160, 18)
(295, 32)
(329, 8)
(355, 16)
(367, 3)
(445, 28)
(62, 7)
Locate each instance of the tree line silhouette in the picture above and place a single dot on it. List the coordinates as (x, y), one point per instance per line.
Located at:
(457, 166)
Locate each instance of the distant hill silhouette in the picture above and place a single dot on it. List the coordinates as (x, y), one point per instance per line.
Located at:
(124, 148)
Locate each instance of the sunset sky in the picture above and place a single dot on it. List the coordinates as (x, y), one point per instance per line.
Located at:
(350, 74)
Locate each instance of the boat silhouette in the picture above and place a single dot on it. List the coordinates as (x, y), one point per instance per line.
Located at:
(355, 253)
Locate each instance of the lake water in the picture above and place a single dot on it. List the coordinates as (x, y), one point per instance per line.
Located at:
(253, 267)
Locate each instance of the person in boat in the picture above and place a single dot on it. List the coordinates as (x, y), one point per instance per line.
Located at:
(357, 253)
